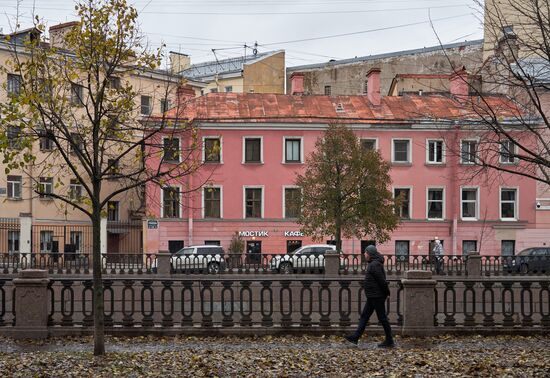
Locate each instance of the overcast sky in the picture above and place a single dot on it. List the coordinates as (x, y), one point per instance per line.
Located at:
(195, 27)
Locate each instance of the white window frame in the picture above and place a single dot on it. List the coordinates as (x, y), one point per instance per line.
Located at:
(262, 187)
(43, 183)
(301, 150)
(179, 150)
(476, 140)
(428, 151)
(204, 148)
(80, 238)
(13, 184)
(261, 138)
(477, 203)
(428, 203)
(410, 198)
(513, 152)
(409, 151)
(285, 187)
(117, 211)
(376, 148)
(150, 106)
(162, 200)
(220, 187)
(516, 203)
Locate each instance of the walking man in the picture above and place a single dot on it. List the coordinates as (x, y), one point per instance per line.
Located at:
(438, 256)
(377, 290)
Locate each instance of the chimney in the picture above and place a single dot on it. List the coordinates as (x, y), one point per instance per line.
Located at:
(458, 83)
(297, 84)
(179, 62)
(58, 33)
(373, 86)
(185, 93)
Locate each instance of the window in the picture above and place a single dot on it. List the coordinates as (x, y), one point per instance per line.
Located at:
(212, 242)
(508, 247)
(14, 84)
(75, 190)
(401, 151)
(46, 241)
(171, 202)
(112, 211)
(114, 168)
(229, 88)
(77, 143)
(214, 90)
(507, 152)
(114, 82)
(146, 105)
(435, 151)
(292, 202)
(469, 246)
(14, 186)
(293, 150)
(252, 150)
(14, 134)
(435, 203)
(253, 203)
(175, 245)
(327, 90)
(75, 238)
(212, 202)
(45, 187)
(469, 203)
(164, 105)
(13, 242)
(369, 144)
(77, 94)
(404, 195)
(365, 87)
(468, 151)
(46, 142)
(508, 203)
(508, 30)
(171, 149)
(212, 150)
(402, 250)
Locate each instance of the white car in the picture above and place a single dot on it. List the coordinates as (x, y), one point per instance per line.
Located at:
(209, 258)
(308, 257)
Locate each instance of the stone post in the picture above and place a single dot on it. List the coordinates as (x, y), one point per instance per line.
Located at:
(418, 303)
(163, 263)
(332, 264)
(473, 265)
(31, 304)
(25, 235)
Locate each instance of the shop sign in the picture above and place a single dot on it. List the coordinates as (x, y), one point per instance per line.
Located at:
(152, 224)
(293, 233)
(254, 233)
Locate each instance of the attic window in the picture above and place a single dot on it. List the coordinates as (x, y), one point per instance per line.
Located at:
(339, 107)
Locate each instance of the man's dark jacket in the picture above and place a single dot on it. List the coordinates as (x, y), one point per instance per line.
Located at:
(376, 285)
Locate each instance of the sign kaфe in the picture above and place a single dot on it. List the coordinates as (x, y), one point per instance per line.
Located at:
(265, 234)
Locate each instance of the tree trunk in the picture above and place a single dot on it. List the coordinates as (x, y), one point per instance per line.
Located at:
(99, 340)
(338, 232)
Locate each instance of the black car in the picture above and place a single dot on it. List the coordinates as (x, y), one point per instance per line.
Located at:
(530, 260)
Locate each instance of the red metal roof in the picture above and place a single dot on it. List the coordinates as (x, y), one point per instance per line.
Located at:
(256, 107)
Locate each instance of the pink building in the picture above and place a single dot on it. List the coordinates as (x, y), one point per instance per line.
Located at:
(264, 140)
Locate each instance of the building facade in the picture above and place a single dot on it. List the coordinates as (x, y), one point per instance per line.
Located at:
(264, 141)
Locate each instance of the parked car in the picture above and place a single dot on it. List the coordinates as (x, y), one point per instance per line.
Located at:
(308, 257)
(202, 258)
(535, 260)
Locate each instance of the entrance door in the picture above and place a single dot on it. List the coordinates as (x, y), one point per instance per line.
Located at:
(292, 245)
(113, 241)
(253, 251)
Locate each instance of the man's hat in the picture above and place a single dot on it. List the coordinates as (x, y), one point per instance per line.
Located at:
(371, 250)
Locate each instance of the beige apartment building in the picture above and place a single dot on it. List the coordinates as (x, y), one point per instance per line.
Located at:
(34, 223)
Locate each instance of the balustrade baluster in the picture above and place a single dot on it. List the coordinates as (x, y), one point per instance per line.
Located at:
(527, 317)
(488, 316)
(187, 317)
(286, 316)
(267, 317)
(128, 314)
(109, 308)
(246, 316)
(207, 314)
(508, 320)
(469, 316)
(67, 310)
(2, 303)
(167, 316)
(51, 293)
(544, 313)
(450, 320)
(227, 320)
(345, 312)
(88, 319)
(324, 321)
(147, 316)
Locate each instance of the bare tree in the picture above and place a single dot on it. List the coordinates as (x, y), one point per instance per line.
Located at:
(79, 100)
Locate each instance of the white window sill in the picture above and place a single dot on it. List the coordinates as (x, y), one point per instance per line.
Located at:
(402, 163)
(14, 199)
(434, 164)
(252, 162)
(508, 219)
(435, 219)
(469, 219)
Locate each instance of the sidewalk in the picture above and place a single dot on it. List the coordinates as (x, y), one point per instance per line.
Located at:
(446, 356)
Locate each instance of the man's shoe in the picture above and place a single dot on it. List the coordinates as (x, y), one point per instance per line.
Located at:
(387, 344)
(351, 339)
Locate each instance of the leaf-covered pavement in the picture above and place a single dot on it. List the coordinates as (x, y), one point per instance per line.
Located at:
(306, 356)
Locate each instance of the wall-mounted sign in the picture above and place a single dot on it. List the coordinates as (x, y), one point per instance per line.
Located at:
(254, 233)
(152, 224)
(293, 233)
(3, 191)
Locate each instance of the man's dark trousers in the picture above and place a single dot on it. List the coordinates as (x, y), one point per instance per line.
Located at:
(372, 305)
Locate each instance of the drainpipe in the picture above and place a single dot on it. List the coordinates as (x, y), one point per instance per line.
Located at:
(455, 203)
